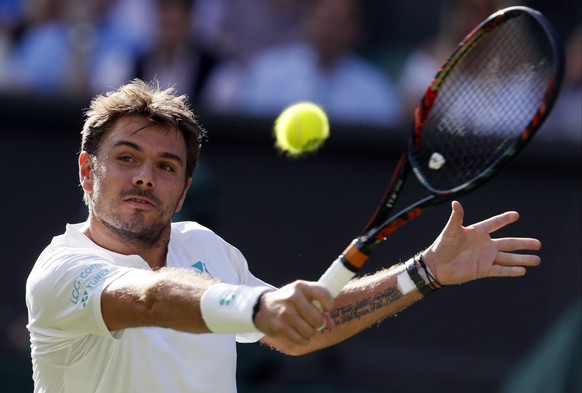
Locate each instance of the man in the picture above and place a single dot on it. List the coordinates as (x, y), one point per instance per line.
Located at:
(177, 57)
(130, 302)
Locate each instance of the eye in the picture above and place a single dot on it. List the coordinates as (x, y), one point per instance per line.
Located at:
(166, 167)
(125, 158)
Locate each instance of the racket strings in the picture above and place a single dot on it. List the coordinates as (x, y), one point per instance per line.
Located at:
(484, 104)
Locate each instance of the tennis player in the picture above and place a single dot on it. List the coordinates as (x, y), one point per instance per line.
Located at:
(128, 301)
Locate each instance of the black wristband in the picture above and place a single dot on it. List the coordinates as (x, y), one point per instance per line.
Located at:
(433, 282)
(417, 279)
(257, 306)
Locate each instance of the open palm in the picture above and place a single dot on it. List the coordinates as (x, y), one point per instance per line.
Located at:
(462, 254)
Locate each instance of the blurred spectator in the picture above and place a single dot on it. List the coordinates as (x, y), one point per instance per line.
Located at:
(565, 122)
(248, 27)
(208, 21)
(136, 18)
(69, 46)
(176, 58)
(457, 19)
(10, 13)
(323, 67)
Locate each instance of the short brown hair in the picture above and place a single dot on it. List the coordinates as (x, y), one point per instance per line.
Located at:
(148, 100)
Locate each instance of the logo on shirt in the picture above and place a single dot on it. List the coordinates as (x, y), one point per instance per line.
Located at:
(86, 281)
(201, 267)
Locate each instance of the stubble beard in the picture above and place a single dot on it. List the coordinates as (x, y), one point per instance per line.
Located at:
(136, 230)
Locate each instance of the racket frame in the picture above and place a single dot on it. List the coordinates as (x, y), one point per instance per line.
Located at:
(382, 223)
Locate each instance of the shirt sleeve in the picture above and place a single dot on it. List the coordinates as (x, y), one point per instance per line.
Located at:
(64, 293)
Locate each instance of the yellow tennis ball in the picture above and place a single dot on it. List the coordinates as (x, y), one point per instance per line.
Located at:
(301, 128)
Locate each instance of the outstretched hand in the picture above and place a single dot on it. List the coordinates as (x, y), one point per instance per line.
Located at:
(462, 254)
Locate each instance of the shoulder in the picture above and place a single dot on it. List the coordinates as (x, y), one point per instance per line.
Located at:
(193, 245)
(60, 263)
(61, 271)
(70, 246)
(193, 235)
(68, 255)
(191, 228)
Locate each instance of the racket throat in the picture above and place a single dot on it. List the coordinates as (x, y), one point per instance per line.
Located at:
(353, 257)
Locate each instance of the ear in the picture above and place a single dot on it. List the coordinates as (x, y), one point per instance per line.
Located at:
(86, 171)
(183, 197)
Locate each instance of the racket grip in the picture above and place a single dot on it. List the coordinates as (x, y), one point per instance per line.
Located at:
(336, 277)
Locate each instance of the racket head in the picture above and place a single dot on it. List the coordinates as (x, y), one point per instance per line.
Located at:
(483, 106)
(486, 102)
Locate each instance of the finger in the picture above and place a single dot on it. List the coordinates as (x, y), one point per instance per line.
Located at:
(517, 243)
(329, 322)
(499, 221)
(317, 300)
(320, 296)
(290, 325)
(300, 312)
(304, 328)
(289, 333)
(292, 314)
(506, 271)
(510, 259)
(455, 223)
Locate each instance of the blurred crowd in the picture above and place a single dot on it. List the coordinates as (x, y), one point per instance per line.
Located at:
(250, 57)
(244, 57)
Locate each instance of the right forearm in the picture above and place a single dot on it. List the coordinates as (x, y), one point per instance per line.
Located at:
(174, 300)
(167, 298)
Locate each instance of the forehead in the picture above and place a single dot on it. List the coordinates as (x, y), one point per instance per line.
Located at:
(146, 134)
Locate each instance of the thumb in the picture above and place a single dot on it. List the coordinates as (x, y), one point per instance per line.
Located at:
(455, 223)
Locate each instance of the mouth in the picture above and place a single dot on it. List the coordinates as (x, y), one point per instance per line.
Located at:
(140, 202)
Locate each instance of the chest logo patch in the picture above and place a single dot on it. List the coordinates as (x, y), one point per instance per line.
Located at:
(201, 266)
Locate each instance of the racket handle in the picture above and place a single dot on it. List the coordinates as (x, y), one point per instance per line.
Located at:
(336, 277)
(339, 274)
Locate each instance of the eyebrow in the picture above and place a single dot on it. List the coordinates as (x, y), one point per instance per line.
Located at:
(137, 147)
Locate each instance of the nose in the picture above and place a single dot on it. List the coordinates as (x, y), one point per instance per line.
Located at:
(144, 179)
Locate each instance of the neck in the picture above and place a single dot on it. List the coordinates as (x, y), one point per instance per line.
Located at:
(153, 252)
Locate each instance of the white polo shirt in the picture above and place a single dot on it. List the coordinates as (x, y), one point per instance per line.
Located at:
(72, 349)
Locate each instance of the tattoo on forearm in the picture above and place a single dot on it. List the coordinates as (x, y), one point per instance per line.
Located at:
(365, 306)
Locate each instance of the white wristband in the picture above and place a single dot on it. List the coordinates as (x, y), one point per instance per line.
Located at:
(228, 308)
(405, 283)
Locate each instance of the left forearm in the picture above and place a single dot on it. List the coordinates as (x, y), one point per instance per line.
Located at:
(365, 301)
(459, 254)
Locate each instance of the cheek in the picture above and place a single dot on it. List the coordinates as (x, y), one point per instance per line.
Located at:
(100, 184)
(172, 193)
(97, 186)
(176, 193)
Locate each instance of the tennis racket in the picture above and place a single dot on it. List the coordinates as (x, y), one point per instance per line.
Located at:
(483, 106)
